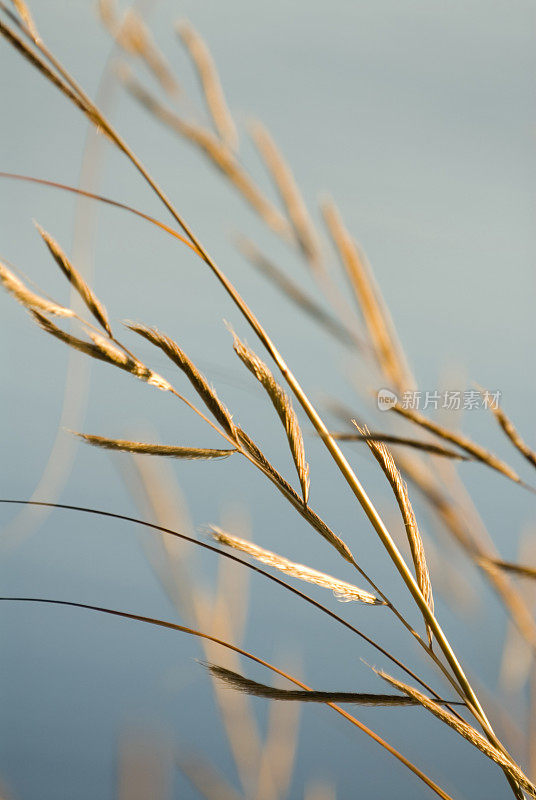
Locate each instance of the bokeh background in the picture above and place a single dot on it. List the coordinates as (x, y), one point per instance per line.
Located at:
(418, 118)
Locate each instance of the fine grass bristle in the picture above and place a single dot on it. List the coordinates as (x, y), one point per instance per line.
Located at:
(343, 591)
(29, 299)
(75, 279)
(142, 448)
(210, 84)
(282, 405)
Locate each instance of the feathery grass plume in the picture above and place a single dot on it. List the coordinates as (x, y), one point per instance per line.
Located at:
(388, 351)
(508, 427)
(433, 449)
(133, 36)
(290, 195)
(282, 405)
(104, 350)
(295, 294)
(478, 452)
(192, 453)
(30, 299)
(24, 13)
(293, 497)
(243, 684)
(210, 83)
(198, 381)
(218, 153)
(75, 279)
(343, 591)
(467, 731)
(387, 463)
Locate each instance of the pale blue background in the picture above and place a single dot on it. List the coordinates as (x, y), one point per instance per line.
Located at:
(419, 118)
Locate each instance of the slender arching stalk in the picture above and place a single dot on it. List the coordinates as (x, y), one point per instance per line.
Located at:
(61, 78)
(232, 557)
(199, 634)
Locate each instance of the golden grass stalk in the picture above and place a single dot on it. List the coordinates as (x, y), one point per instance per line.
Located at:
(217, 152)
(508, 427)
(255, 689)
(289, 193)
(476, 450)
(467, 731)
(198, 381)
(132, 35)
(30, 299)
(210, 84)
(282, 405)
(74, 92)
(343, 591)
(92, 302)
(427, 447)
(390, 470)
(191, 453)
(297, 295)
(379, 325)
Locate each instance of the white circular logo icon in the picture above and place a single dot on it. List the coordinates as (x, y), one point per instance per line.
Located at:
(386, 399)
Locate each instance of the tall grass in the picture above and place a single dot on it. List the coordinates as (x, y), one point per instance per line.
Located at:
(362, 322)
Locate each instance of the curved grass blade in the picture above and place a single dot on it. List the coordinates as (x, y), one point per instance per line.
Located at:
(206, 546)
(199, 634)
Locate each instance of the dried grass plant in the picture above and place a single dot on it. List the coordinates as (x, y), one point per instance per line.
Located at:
(363, 325)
